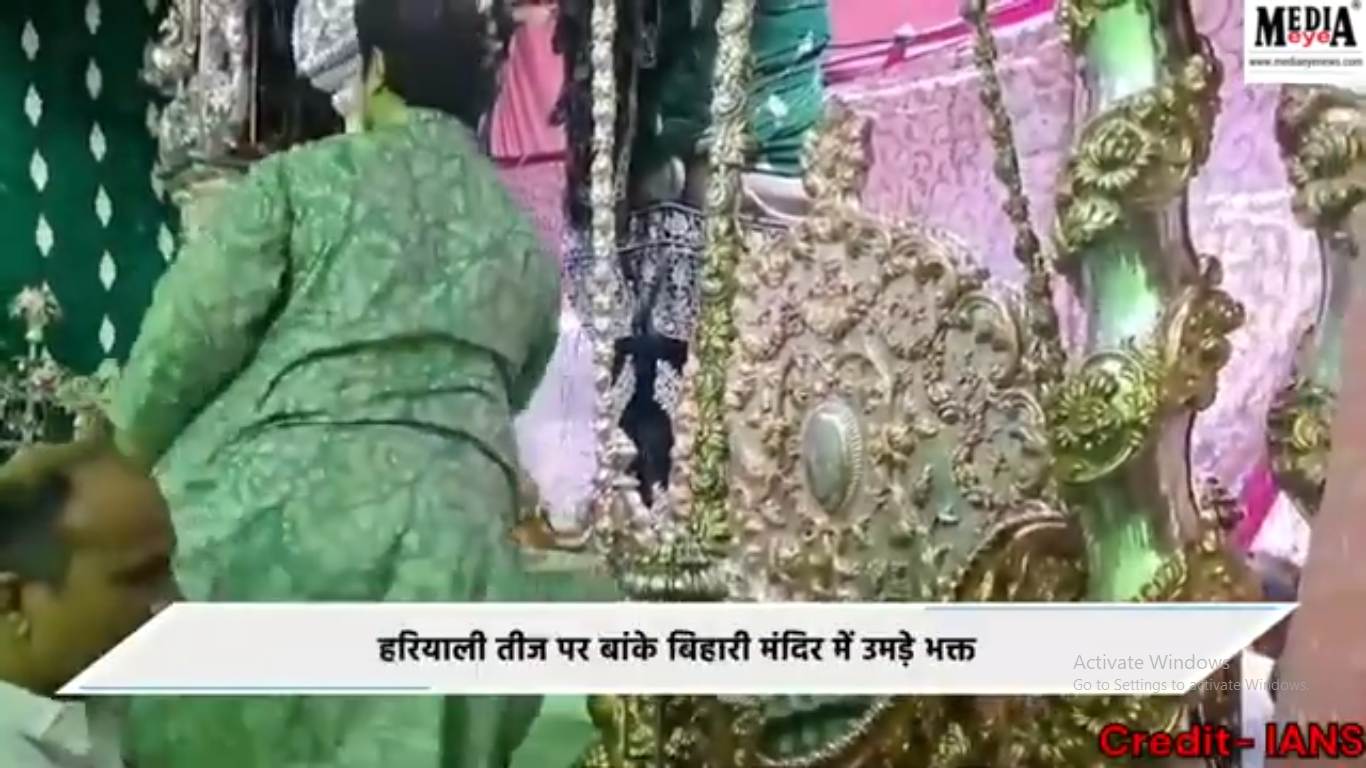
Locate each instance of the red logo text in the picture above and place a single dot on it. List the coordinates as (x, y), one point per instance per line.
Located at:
(1315, 740)
(1309, 39)
(1204, 741)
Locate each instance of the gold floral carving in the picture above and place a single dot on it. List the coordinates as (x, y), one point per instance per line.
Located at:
(626, 733)
(1195, 339)
(1322, 134)
(1038, 562)
(1104, 414)
(1139, 154)
(675, 731)
(1299, 435)
(1078, 18)
(878, 432)
(1045, 359)
(1060, 732)
(714, 338)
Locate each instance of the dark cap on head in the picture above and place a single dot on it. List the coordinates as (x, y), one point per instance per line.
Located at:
(442, 55)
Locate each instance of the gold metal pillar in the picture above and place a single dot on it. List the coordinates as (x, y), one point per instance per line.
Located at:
(1322, 135)
(1158, 320)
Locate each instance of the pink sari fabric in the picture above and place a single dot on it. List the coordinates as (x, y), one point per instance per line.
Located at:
(1259, 498)
(1273, 524)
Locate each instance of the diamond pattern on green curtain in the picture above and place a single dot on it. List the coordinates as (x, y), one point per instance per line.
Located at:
(79, 208)
(20, 262)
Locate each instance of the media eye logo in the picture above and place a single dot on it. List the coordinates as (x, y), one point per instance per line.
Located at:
(1313, 43)
(1306, 26)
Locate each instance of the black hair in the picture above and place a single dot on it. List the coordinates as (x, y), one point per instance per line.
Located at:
(290, 110)
(442, 55)
(35, 491)
(632, 51)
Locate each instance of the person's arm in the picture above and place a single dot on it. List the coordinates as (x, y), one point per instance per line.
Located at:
(534, 371)
(547, 304)
(207, 314)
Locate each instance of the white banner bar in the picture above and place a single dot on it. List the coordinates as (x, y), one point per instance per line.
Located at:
(206, 649)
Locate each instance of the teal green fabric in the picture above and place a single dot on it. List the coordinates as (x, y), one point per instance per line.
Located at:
(79, 209)
(326, 380)
(788, 41)
(788, 85)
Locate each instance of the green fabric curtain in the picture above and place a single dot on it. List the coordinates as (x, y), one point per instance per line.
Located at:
(79, 208)
(786, 90)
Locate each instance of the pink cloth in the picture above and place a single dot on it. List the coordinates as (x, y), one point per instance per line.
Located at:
(1259, 497)
(862, 24)
(931, 29)
(521, 131)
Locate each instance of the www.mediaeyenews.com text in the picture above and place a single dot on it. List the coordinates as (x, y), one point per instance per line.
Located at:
(1301, 62)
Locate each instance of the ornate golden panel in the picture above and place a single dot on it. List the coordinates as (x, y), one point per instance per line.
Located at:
(882, 430)
(886, 442)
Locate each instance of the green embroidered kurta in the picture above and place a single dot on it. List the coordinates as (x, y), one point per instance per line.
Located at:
(326, 381)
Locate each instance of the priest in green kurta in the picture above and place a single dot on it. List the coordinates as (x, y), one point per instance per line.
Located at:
(325, 385)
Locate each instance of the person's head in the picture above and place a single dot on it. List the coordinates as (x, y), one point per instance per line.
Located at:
(442, 55)
(327, 56)
(85, 559)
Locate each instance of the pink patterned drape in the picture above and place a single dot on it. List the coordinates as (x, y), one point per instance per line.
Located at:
(933, 162)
